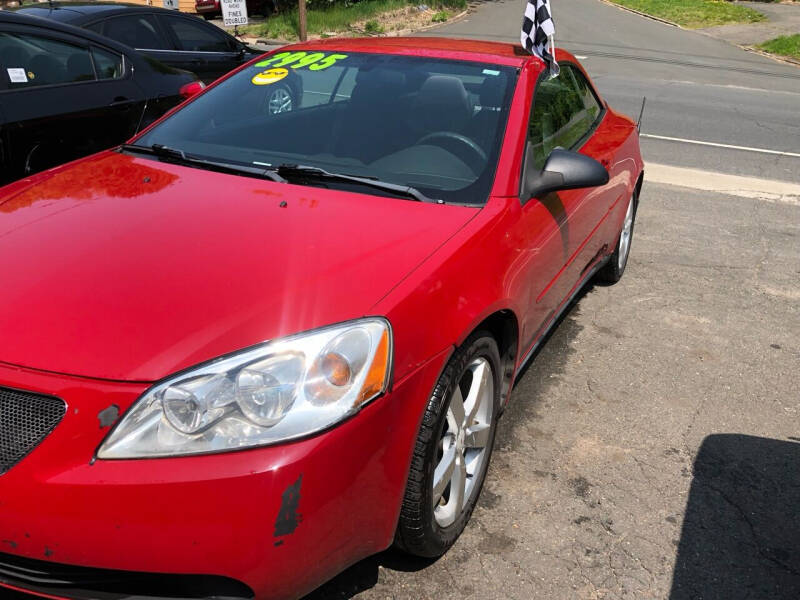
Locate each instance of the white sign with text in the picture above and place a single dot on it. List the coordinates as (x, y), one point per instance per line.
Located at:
(234, 12)
(171, 4)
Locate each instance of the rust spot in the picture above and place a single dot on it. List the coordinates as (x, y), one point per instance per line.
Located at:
(288, 518)
(11, 543)
(107, 416)
(48, 552)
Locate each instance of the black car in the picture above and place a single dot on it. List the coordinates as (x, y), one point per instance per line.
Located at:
(66, 92)
(176, 39)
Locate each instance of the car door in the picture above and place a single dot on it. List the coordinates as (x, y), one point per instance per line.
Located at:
(64, 98)
(201, 47)
(139, 30)
(559, 229)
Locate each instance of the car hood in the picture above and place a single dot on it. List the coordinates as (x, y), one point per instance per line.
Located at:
(125, 268)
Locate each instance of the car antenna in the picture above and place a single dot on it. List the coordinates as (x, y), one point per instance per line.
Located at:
(641, 114)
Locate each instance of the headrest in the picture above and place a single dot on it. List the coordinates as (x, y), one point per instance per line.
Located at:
(443, 103)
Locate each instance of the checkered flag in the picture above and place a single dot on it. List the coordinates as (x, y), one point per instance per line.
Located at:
(538, 30)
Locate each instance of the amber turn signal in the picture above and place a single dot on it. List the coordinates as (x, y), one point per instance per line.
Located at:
(376, 377)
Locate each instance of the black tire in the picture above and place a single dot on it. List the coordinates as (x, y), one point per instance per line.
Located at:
(613, 270)
(418, 532)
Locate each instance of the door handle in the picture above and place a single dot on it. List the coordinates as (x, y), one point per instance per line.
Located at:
(119, 100)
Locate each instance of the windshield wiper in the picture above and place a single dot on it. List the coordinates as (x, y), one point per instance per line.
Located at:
(289, 171)
(180, 157)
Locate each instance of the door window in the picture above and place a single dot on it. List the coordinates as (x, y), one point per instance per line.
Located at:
(136, 31)
(31, 60)
(108, 65)
(564, 110)
(197, 36)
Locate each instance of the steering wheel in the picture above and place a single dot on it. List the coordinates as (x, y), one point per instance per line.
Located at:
(465, 148)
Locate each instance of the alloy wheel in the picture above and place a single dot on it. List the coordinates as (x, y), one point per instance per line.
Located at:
(625, 237)
(280, 101)
(463, 443)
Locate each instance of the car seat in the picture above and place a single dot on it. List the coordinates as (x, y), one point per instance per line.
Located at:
(364, 132)
(442, 104)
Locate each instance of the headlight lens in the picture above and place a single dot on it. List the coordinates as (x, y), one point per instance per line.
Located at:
(275, 392)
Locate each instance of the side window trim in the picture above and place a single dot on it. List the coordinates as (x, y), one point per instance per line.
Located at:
(576, 71)
(581, 141)
(578, 144)
(126, 71)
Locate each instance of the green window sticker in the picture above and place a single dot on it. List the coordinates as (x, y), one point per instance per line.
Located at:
(315, 61)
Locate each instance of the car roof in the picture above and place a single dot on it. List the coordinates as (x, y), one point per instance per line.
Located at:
(72, 12)
(23, 19)
(460, 49)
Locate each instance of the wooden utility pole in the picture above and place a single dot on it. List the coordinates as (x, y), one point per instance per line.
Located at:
(301, 13)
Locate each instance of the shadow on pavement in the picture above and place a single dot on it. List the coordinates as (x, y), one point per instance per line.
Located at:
(364, 575)
(741, 531)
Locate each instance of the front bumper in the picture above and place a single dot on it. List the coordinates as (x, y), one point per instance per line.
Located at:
(281, 519)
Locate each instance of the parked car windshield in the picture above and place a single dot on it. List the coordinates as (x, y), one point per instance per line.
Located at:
(435, 125)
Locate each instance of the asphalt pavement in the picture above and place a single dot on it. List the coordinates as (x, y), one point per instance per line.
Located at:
(651, 448)
(698, 88)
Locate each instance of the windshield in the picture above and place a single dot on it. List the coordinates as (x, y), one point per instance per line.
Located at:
(430, 124)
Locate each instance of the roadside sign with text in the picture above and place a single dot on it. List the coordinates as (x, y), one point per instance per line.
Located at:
(234, 12)
(171, 4)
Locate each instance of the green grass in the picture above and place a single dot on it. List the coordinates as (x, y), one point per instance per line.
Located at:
(373, 27)
(337, 18)
(694, 14)
(786, 45)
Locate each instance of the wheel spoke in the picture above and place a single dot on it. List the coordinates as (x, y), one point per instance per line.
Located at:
(444, 472)
(477, 391)
(477, 436)
(458, 484)
(457, 407)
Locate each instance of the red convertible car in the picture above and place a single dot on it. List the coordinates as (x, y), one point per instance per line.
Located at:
(246, 350)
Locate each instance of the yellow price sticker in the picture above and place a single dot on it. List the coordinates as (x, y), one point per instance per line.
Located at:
(269, 76)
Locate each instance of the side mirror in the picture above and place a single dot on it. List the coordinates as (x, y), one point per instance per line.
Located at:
(563, 170)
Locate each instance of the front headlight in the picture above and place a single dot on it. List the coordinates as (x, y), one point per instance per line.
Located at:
(275, 392)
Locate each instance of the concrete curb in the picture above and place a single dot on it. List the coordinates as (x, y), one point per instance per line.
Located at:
(776, 57)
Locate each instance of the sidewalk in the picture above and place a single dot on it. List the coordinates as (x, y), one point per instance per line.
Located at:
(784, 19)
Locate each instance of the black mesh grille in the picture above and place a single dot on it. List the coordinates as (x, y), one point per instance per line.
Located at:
(51, 580)
(25, 420)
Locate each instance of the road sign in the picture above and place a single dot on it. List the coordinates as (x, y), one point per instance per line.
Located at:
(234, 12)
(172, 4)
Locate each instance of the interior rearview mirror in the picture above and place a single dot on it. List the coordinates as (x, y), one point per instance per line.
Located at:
(563, 170)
